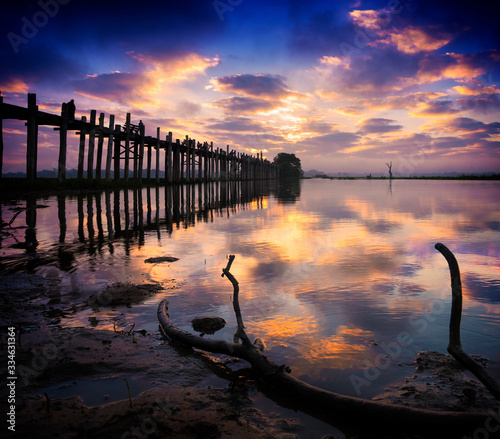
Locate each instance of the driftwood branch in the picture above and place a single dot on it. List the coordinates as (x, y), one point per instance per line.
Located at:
(455, 344)
(240, 333)
(332, 407)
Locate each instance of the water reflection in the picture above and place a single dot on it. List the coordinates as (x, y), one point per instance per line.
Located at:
(330, 272)
(125, 215)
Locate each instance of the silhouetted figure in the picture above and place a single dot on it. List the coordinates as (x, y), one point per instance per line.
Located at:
(71, 110)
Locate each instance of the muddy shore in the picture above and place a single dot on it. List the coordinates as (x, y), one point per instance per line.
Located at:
(130, 383)
(174, 392)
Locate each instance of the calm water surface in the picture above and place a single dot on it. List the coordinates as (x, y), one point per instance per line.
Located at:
(334, 274)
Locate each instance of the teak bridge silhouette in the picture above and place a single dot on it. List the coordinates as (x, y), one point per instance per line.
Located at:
(184, 161)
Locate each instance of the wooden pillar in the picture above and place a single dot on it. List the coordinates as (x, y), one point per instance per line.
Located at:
(217, 158)
(182, 162)
(157, 174)
(176, 161)
(116, 152)
(63, 145)
(188, 159)
(193, 159)
(127, 146)
(205, 162)
(148, 164)
(211, 169)
(109, 154)
(168, 159)
(140, 159)
(222, 165)
(135, 154)
(32, 138)
(90, 157)
(200, 160)
(81, 150)
(100, 142)
(1, 136)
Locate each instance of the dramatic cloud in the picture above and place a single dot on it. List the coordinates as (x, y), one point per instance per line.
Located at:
(148, 83)
(244, 105)
(351, 110)
(436, 109)
(345, 85)
(378, 126)
(373, 20)
(413, 40)
(450, 66)
(469, 128)
(116, 86)
(478, 90)
(260, 86)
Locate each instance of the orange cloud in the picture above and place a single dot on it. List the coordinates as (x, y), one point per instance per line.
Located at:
(413, 40)
(351, 110)
(328, 95)
(15, 86)
(466, 127)
(436, 109)
(470, 91)
(370, 19)
(150, 84)
(331, 60)
(170, 70)
(452, 66)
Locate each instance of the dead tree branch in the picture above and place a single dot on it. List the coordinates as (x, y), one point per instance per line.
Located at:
(329, 406)
(240, 333)
(455, 344)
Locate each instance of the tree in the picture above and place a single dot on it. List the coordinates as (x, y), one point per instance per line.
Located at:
(289, 165)
(389, 165)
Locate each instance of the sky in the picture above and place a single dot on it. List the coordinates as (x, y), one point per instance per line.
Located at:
(347, 86)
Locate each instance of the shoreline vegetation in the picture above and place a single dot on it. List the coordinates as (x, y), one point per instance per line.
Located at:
(15, 185)
(423, 177)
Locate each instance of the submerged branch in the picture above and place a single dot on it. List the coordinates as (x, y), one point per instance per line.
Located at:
(455, 344)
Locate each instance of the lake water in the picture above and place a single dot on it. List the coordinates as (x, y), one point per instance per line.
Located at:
(340, 278)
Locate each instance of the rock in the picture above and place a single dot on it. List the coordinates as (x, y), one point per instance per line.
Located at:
(161, 259)
(119, 294)
(208, 324)
(259, 344)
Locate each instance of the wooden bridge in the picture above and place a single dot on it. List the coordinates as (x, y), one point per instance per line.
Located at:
(184, 161)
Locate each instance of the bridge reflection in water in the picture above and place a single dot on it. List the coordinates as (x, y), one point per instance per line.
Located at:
(125, 216)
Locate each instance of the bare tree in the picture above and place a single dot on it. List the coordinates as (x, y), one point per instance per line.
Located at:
(334, 408)
(389, 165)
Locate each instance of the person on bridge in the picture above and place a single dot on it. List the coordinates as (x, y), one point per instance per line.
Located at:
(71, 109)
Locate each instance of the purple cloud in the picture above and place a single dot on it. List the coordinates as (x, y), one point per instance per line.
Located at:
(261, 86)
(244, 105)
(378, 125)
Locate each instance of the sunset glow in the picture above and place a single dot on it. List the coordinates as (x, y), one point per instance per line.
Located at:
(346, 86)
